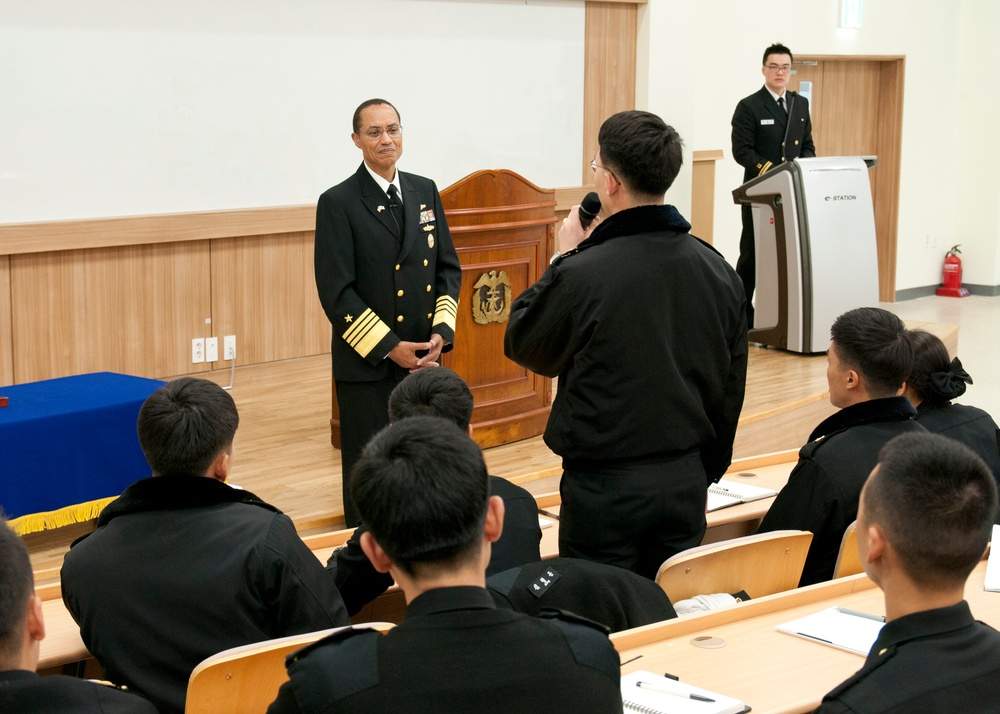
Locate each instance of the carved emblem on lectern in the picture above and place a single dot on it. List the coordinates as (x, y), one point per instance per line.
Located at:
(491, 298)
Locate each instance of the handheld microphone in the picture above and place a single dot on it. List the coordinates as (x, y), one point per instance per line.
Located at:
(590, 206)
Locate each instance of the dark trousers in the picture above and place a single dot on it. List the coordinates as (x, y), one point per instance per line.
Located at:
(746, 266)
(364, 411)
(633, 516)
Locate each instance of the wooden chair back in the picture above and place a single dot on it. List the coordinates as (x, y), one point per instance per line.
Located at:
(246, 679)
(848, 560)
(760, 565)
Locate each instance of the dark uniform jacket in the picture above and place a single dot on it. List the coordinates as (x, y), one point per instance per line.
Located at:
(617, 598)
(182, 567)
(646, 329)
(23, 692)
(926, 663)
(455, 652)
(765, 136)
(969, 425)
(376, 290)
(824, 487)
(359, 583)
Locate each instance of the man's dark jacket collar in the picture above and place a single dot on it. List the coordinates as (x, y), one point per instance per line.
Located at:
(874, 410)
(640, 220)
(438, 600)
(176, 491)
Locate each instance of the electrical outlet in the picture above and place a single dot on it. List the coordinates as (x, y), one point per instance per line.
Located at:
(212, 349)
(197, 350)
(229, 347)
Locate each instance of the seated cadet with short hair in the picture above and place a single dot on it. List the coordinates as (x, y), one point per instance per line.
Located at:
(21, 630)
(925, 518)
(442, 393)
(422, 489)
(869, 359)
(182, 565)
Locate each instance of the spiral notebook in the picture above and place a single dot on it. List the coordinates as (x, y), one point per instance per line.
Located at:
(730, 493)
(667, 696)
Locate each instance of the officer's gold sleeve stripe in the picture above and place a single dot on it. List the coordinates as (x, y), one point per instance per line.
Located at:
(366, 332)
(765, 168)
(445, 311)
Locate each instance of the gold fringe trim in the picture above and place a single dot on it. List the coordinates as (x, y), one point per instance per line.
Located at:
(37, 522)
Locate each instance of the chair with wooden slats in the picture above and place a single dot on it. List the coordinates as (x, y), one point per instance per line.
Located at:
(759, 565)
(848, 560)
(246, 679)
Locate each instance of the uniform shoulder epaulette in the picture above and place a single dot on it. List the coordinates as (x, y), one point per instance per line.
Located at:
(553, 613)
(334, 637)
(587, 640)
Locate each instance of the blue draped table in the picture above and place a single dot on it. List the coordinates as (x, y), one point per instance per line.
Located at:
(68, 446)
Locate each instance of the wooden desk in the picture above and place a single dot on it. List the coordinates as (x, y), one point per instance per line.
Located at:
(767, 669)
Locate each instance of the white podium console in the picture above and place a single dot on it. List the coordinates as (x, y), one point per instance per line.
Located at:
(814, 227)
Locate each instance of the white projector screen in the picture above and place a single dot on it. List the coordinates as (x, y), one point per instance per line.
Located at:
(118, 107)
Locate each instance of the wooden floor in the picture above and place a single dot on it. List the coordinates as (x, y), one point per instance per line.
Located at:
(283, 451)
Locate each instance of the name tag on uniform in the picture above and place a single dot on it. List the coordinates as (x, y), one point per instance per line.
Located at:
(764, 122)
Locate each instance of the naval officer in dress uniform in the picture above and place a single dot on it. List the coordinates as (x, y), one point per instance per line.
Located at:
(388, 278)
(770, 126)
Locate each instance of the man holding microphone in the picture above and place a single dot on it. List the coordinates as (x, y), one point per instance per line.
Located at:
(645, 327)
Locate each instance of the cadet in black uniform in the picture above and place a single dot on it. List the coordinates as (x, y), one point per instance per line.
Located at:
(925, 517)
(21, 630)
(422, 489)
(645, 327)
(869, 359)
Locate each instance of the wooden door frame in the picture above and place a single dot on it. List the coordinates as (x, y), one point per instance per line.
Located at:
(889, 141)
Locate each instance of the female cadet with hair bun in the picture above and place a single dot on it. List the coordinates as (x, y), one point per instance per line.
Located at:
(933, 383)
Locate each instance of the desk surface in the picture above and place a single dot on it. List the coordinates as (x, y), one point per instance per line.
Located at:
(769, 670)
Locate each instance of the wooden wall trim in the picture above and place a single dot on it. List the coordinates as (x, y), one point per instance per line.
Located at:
(54, 236)
(49, 236)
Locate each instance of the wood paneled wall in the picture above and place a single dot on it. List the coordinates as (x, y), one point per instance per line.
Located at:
(6, 333)
(264, 292)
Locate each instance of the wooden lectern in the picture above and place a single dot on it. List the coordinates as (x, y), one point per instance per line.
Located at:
(503, 227)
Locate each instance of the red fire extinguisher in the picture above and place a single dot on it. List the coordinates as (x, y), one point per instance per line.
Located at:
(952, 275)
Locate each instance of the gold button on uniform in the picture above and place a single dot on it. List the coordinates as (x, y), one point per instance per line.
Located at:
(428, 288)
(430, 315)
(399, 319)
(425, 262)
(399, 293)
(796, 142)
(397, 266)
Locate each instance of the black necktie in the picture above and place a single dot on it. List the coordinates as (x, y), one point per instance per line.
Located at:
(781, 103)
(396, 210)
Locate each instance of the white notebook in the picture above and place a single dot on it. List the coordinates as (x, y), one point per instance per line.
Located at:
(730, 493)
(661, 695)
(838, 627)
(992, 584)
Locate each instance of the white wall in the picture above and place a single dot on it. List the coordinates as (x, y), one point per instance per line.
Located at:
(119, 107)
(703, 57)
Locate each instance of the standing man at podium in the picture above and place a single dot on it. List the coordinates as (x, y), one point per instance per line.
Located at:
(388, 277)
(770, 126)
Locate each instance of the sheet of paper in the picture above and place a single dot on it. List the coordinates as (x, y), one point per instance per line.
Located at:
(837, 627)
